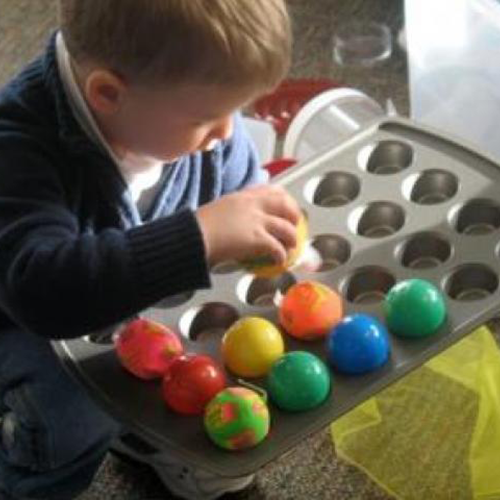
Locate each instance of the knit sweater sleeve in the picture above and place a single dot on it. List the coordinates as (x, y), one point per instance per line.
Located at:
(61, 283)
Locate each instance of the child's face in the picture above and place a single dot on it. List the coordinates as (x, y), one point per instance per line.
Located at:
(168, 123)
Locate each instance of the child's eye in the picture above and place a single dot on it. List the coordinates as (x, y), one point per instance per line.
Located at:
(199, 124)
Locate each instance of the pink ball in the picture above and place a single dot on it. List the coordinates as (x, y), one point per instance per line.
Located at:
(146, 348)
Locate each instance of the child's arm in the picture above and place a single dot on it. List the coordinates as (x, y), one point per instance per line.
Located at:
(249, 220)
(59, 283)
(259, 220)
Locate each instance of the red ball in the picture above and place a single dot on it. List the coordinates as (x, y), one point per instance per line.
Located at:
(191, 382)
(146, 348)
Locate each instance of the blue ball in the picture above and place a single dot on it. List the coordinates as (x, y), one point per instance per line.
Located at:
(358, 344)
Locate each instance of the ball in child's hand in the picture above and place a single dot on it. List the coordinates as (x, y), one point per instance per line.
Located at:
(264, 266)
(358, 344)
(191, 382)
(298, 381)
(251, 345)
(237, 418)
(309, 310)
(414, 308)
(146, 348)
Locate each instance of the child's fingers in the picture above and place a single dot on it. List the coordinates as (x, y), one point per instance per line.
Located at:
(279, 203)
(274, 248)
(284, 231)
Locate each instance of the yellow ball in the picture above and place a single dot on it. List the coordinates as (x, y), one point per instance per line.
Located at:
(251, 346)
(263, 267)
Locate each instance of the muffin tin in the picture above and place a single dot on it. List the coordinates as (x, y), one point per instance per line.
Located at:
(395, 201)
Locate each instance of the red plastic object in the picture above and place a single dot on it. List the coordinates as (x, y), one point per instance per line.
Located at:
(191, 382)
(279, 165)
(280, 107)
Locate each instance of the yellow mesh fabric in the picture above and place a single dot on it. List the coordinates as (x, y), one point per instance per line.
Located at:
(435, 434)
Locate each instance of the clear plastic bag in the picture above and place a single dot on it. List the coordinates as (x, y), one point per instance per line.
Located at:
(454, 75)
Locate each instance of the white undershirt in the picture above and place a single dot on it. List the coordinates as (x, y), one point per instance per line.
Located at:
(141, 173)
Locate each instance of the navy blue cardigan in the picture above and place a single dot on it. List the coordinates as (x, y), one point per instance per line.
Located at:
(75, 255)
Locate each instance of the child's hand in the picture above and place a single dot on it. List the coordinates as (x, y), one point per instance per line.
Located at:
(256, 221)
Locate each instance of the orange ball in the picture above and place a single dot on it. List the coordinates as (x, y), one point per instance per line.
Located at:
(309, 310)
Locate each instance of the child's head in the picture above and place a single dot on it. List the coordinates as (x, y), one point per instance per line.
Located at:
(164, 76)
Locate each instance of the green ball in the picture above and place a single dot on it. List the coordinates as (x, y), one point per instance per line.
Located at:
(237, 418)
(414, 308)
(298, 381)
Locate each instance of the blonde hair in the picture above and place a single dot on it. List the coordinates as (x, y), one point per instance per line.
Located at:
(234, 42)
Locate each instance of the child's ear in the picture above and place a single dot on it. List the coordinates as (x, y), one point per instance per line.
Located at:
(105, 92)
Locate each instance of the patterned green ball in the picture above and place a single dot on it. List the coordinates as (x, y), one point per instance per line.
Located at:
(237, 418)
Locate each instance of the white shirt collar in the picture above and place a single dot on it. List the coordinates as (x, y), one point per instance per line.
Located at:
(140, 173)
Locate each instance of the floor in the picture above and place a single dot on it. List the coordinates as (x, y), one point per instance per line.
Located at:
(311, 471)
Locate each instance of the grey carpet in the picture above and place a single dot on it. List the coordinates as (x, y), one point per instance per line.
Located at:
(312, 470)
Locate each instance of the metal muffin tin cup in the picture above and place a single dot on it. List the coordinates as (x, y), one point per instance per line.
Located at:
(433, 187)
(333, 251)
(205, 319)
(478, 217)
(333, 190)
(394, 201)
(263, 292)
(368, 285)
(425, 251)
(378, 219)
(386, 157)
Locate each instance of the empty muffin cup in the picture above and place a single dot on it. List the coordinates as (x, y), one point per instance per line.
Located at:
(333, 251)
(386, 157)
(433, 186)
(264, 292)
(471, 282)
(378, 220)
(425, 251)
(102, 337)
(333, 190)
(206, 319)
(369, 285)
(478, 217)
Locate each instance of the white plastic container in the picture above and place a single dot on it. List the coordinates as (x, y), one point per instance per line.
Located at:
(454, 59)
(327, 120)
(263, 136)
